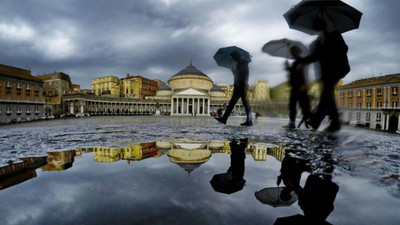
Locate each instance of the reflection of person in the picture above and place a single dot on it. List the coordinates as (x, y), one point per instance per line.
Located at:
(290, 174)
(330, 51)
(241, 77)
(393, 123)
(237, 160)
(298, 93)
(232, 181)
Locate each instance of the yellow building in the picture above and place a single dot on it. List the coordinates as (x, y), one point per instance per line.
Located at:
(106, 85)
(57, 161)
(134, 152)
(130, 87)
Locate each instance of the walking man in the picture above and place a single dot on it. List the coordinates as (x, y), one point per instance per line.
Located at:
(241, 78)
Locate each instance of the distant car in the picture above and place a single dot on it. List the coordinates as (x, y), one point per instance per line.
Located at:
(43, 117)
(63, 115)
(52, 117)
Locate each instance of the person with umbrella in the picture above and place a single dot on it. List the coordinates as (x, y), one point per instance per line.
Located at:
(299, 90)
(330, 51)
(241, 77)
(329, 19)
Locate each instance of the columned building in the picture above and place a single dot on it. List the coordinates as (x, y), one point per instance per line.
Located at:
(371, 102)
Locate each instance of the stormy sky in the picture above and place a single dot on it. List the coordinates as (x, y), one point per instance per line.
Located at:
(157, 38)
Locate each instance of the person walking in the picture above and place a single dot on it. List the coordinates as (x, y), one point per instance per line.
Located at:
(330, 50)
(241, 77)
(297, 80)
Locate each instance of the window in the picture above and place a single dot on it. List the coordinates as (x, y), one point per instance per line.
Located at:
(350, 94)
(18, 85)
(368, 116)
(36, 110)
(379, 105)
(379, 91)
(18, 110)
(37, 88)
(8, 110)
(378, 117)
(341, 95)
(369, 92)
(359, 94)
(359, 105)
(28, 110)
(28, 87)
(358, 116)
(368, 105)
(394, 90)
(394, 104)
(8, 84)
(350, 105)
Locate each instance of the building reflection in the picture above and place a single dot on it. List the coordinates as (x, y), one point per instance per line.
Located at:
(187, 154)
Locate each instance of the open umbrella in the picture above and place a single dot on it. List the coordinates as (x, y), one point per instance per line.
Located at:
(337, 15)
(223, 183)
(271, 196)
(223, 56)
(281, 48)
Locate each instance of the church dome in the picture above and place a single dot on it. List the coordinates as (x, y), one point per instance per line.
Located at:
(190, 77)
(217, 91)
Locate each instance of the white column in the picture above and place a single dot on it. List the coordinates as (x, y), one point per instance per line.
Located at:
(187, 105)
(387, 122)
(198, 106)
(172, 106)
(204, 106)
(388, 94)
(354, 99)
(208, 106)
(398, 126)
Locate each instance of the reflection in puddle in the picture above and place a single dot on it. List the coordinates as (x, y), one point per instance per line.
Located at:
(187, 154)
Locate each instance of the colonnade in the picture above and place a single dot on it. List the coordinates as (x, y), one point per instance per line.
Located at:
(190, 106)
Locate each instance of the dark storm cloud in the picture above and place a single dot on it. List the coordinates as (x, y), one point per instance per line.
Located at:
(157, 38)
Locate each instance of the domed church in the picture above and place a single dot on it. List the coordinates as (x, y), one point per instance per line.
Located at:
(190, 92)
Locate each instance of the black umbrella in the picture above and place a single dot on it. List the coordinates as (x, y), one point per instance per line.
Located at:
(271, 196)
(224, 183)
(337, 15)
(223, 56)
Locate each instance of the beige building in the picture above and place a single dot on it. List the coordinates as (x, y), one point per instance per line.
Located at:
(108, 85)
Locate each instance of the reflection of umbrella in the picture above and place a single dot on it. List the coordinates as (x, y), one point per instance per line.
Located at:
(337, 15)
(223, 183)
(224, 59)
(281, 48)
(271, 196)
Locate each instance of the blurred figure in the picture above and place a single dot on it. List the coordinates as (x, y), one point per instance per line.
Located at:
(298, 83)
(330, 51)
(241, 78)
(292, 168)
(232, 181)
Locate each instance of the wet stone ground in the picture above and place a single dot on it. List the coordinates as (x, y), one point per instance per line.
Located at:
(365, 164)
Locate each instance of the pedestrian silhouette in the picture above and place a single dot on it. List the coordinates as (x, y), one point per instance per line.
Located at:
(241, 77)
(297, 80)
(232, 181)
(330, 51)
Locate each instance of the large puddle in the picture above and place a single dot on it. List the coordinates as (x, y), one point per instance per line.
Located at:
(145, 172)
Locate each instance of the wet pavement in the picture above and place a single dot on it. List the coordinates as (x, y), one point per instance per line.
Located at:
(157, 170)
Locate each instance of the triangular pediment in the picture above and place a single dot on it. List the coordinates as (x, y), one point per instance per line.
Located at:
(190, 91)
(393, 79)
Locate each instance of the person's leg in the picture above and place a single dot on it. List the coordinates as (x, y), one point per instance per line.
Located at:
(246, 105)
(322, 107)
(293, 105)
(229, 108)
(304, 102)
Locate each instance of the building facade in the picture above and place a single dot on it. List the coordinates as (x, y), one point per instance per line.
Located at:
(21, 95)
(108, 85)
(56, 85)
(371, 102)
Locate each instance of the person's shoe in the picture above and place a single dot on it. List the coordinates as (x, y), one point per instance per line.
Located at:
(247, 123)
(290, 125)
(312, 123)
(221, 119)
(333, 127)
